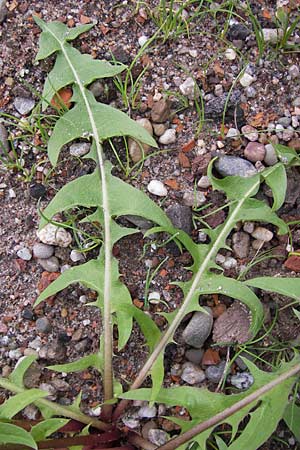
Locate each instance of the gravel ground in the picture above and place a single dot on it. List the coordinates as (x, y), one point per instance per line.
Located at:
(264, 106)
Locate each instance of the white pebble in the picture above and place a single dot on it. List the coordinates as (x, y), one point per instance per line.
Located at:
(204, 182)
(230, 54)
(76, 256)
(156, 187)
(25, 254)
(233, 133)
(154, 297)
(169, 137)
(262, 234)
(246, 80)
(54, 235)
(142, 40)
(187, 88)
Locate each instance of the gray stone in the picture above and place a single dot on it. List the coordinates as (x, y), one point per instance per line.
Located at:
(254, 151)
(230, 54)
(215, 373)
(229, 263)
(160, 111)
(24, 105)
(294, 71)
(250, 92)
(76, 256)
(15, 354)
(181, 217)
(50, 264)
(156, 187)
(242, 380)
(194, 199)
(250, 133)
(169, 137)
(60, 385)
(137, 150)
(234, 166)
(4, 145)
(147, 412)
(139, 222)
(214, 107)
(158, 437)
(194, 355)
(42, 251)
(241, 244)
(24, 253)
(204, 182)
(296, 101)
(192, 374)
(159, 128)
(31, 412)
(270, 157)
(54, 235)
(285, 121)
(272, 35)
(80, 149)
(187, 88)
(262, 234)
(3, 10)
(233, 133)
(32, 376)
(43, 325)
(131, 420)
(246, 79)
(198, 328)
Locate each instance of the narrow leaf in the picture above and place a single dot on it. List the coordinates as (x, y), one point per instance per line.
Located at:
(19, 401)
(11, 434)
(43, 429)
(284, 286)
(275, 178)
(17, 374)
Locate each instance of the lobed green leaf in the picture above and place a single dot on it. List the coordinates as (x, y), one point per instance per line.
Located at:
(11, 434)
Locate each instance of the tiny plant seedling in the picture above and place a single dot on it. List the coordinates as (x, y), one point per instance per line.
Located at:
(264, 404)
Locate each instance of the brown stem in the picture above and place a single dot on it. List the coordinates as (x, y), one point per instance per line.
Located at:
(220, 417)
(138, 441)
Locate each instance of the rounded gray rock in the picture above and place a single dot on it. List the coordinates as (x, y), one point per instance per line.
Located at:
(50, 264)
(42, 251)
(234, 166)
(158, 437)
(192, 374)
(194, 355)
(43, 325)
(215, 373)
(241, 244)
(198, 328)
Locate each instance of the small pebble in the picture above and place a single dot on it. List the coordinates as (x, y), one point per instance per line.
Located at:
(248, 227)
(194, 355)
(187, 88)
(154, 298)
(204, 182)
(37, 190)
(42, 251)
(241, 244)
(255, 151)
(76, 256)
(246, 79)
(250, 92)
(169, 137)
(11, 193)
(233, 133)
(158, 437)
(194, 199)
(80, 149)
(270, 156)
(215, 373)
(272, 35)
(250, 133)
(229, 263)
(294, 71)
(198, 328)
(233, 165)
(230, 54)
(27, 314)
(242, 380)
(142, 40)
(156, 187)
(43, 325)
(192, 374)
(50, 264)
(262, 234)
(24, 105)
(25, 254)
(147, 412)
